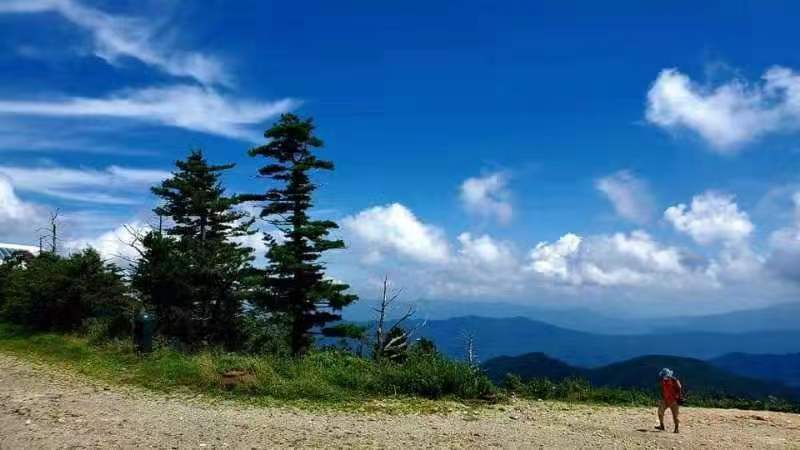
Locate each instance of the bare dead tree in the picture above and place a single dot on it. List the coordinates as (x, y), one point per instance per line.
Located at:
(470, 353)
(400, 340)
(51, 233)
(137, 235)
(54, 230)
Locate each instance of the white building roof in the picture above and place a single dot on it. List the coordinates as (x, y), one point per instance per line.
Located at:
(7, 250)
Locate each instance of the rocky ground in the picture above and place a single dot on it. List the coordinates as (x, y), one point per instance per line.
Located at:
(42, 407)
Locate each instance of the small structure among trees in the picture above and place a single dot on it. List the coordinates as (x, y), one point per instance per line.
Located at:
(9, 251)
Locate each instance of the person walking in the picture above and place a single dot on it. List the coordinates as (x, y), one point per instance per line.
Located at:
(671, 397)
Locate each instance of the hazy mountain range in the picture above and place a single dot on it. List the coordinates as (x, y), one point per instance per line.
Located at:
(773, 318)
(781, 368)
(731, 349)
(641, 372)
(518, 335)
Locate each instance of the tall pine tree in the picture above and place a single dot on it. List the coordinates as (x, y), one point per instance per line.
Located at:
(295, 284)
(205, 224)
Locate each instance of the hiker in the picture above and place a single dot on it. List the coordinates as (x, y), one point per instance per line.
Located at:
(671, 397)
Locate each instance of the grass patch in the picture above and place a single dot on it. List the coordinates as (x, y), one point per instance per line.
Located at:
(324, 379)
(327, 379)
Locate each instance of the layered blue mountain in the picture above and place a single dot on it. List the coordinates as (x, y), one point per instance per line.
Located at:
(699, 377)
(781, 368)
(777, 317)
(495, 337)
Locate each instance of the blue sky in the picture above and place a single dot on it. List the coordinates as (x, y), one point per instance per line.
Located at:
(533, 153)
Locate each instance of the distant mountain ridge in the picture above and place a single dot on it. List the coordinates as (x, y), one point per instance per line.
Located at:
(782, 368)
(780, 317)
(516, 336)
(784, 316)
(642, 373)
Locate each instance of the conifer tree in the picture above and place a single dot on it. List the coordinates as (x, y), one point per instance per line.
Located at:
(295, 284)
(161, 276)
(205, 224)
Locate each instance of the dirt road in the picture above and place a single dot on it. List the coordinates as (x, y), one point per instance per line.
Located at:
(41, 407)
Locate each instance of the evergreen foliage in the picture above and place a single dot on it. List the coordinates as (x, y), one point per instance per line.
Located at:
(190, 273)
(294, 283)
(50, 292)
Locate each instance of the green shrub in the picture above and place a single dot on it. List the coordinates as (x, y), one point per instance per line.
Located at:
(579, 390)
(54, 293)
(434, 376)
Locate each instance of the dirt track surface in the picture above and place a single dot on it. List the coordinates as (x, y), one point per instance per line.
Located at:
(42, 407)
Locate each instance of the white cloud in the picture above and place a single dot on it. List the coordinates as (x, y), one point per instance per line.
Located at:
(633, 259)
(18, 218)
(485, 251)
(487, 196)
(118, 36)
(391, 239)
(737, 263)
(395, 228)
(113, 185)
(784, 257)
(117, 245)
(731, 114)
(784, 245)
(618, 269)
(552, 260)
(190, 107)
(629, 195)
(712, 217)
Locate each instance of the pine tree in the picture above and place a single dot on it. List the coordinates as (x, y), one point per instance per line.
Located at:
(205, 227)
(295, 284)
(161, 276)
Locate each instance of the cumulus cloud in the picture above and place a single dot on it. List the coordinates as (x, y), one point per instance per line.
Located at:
(784, 244)
(621, 268)
(485, 251)
(190, 107)
(119, 36)
(392, 239)
(117, 246)
(729, 115)
(784, 259)
(488, 196)
(738, 263)
(394, 228)
(712, 217)
(634, 259)
(629, 195)
(17, 217)
(112, 185)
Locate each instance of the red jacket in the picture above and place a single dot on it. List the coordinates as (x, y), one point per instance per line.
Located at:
(670, 390)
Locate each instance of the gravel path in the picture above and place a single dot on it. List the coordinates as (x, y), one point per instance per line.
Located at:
(41, 407)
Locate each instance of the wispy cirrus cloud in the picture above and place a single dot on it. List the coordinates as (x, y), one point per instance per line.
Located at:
(24, 134)
(190, 107)
(199, 106)
(140, 38)
(629, 195)
(113, 185)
